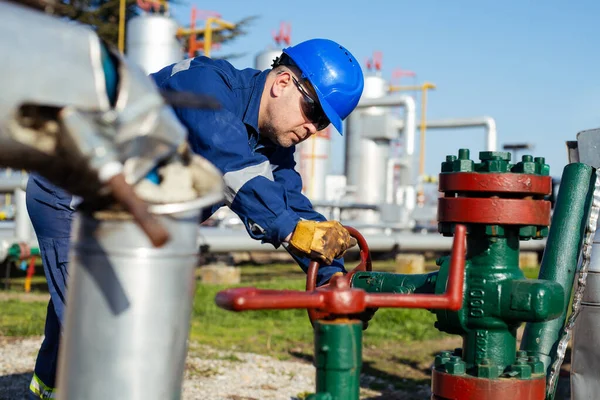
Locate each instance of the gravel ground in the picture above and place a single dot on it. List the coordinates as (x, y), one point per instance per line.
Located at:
(210, 375)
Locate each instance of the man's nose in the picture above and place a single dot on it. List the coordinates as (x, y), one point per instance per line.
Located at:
(311, 128)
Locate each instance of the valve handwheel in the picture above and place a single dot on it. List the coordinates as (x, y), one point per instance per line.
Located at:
(313, 268)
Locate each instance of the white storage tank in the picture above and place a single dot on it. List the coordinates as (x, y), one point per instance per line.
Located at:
(264, 59)
(152, 41)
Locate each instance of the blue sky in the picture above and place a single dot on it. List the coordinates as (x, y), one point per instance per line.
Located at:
(533, 66)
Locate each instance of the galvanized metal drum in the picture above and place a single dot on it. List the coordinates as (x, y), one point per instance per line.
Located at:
(128, 309)
(129, 304)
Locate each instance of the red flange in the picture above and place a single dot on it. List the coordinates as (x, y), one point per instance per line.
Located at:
(526, 184)
(493, 211)
(464, 387)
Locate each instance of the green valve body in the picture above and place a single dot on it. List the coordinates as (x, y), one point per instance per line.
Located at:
(498, 298)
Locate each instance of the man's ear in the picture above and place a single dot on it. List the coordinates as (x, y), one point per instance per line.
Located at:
(280, 83)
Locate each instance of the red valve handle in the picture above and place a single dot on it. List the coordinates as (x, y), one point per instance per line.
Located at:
(339, 299)
(313, 269)
(365, 260)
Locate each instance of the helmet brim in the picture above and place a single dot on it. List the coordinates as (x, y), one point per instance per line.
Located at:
(335, 119)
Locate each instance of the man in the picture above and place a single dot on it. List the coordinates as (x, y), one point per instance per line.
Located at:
(251, 140)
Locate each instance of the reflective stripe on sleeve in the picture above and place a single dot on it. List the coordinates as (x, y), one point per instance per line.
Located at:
(234, 180)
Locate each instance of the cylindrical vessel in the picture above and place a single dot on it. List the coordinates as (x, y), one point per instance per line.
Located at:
(129, 308)
(313, 156)
(264, 59)
(375, 87)
(23, 227)
(152, 42)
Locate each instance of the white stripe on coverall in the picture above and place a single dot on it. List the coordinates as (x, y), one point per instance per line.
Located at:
(234, 180)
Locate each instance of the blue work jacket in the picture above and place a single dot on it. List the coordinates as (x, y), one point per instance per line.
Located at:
(262, 186)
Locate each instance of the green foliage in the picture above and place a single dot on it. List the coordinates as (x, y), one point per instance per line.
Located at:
(277, 331)
(19, 318)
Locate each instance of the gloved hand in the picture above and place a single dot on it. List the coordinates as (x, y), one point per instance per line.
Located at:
(364, 316)
(321, 241)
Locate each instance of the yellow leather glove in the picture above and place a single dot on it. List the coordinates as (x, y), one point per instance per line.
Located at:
(321, 241)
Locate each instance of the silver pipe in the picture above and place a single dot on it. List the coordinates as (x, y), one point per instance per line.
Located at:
(491, 138)
(223, 240)
(409, 123)
(23, 226)
(9, 184)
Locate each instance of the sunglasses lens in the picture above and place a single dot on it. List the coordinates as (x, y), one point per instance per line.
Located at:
(313, 110)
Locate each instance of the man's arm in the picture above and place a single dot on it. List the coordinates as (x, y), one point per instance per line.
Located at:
(286, 174)
(221, 137)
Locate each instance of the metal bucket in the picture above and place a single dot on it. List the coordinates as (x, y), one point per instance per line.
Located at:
(128, 310)
(129, 304)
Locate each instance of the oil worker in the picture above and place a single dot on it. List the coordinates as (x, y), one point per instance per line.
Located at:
(251, 139)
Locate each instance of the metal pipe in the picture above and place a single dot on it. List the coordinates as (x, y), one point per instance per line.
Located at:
(491, 142)
(23, 226)
(409, 124)
(559, 263)
(219, 240)
(9, 184)
(491, 138)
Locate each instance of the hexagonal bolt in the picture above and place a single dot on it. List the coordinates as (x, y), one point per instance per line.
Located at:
(464, 154)
(494, 161)
(456, 366)
(494, 155)
(447, 166)
(485, 369)
(522, 369)
(537, 367)
(441, 359)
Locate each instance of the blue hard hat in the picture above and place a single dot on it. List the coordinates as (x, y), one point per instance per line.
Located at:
(334, 73)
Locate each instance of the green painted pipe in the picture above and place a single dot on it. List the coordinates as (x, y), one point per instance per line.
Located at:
(563, 247)
(386, 282)
(338, 360)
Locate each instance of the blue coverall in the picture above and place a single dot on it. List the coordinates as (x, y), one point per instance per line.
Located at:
(262, 187)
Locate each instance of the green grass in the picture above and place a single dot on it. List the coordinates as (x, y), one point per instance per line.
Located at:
(398, 347)
(276, 331)
(19, 318)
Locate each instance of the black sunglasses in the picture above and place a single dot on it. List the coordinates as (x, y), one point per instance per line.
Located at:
(312, 109)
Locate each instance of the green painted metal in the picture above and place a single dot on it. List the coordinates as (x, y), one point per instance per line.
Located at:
(498, 297)
(385, 282)
(559, 263)
(338, 360)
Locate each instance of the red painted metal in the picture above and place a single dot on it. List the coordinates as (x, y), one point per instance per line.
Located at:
(494, 211)
(445, 386)
(495, 183)
(339, 299)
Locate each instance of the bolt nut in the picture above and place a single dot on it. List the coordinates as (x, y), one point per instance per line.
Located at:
(521, 369)
(456, 366)
(441, 359)
(521, 353)
(487, 370)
